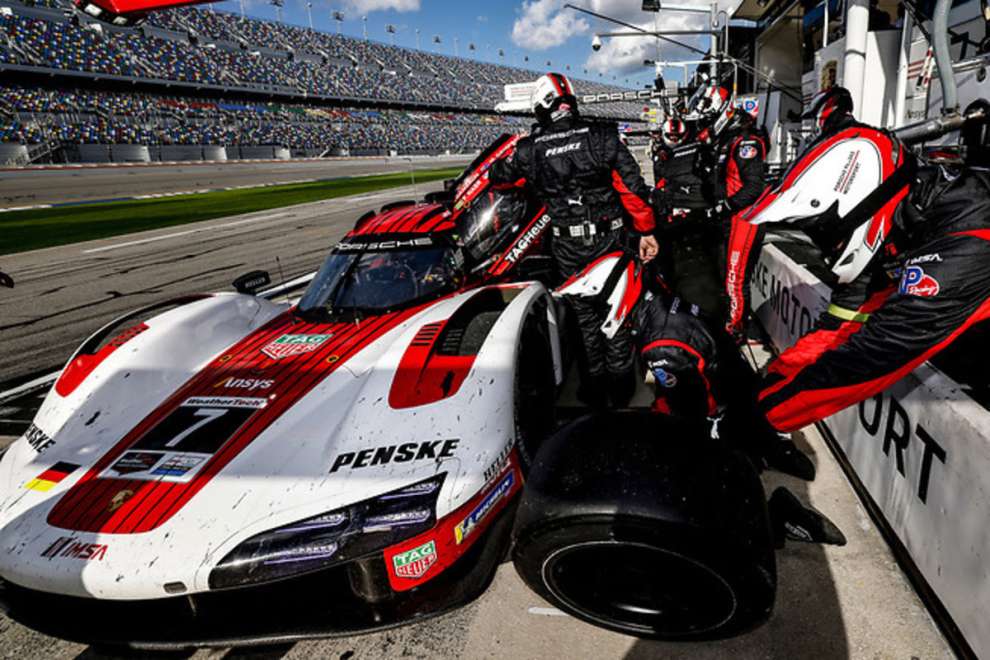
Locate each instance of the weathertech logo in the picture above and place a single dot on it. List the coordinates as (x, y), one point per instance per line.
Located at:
(66, 546)
(414, 563)
(288, 345)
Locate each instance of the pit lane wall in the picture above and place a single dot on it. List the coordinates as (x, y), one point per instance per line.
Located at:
(921, 449)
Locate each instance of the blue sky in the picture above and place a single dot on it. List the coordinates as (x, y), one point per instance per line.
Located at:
(541, 30)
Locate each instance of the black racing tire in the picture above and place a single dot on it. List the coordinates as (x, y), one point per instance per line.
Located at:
(641, 524)
(535, 388)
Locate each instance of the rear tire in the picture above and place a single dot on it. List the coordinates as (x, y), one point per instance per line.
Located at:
(640, 524)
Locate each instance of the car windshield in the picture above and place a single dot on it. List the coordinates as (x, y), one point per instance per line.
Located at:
(373, 280)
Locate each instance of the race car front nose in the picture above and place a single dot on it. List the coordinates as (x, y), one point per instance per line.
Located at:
(331, 538)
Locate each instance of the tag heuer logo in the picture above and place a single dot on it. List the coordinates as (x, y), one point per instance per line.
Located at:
(414, 563)
(287, 345)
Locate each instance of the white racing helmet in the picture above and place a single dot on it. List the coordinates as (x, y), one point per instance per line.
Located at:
(551, 92)
(673, 132)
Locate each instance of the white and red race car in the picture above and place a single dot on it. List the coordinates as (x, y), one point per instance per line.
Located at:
(237, 470)
(338, 464)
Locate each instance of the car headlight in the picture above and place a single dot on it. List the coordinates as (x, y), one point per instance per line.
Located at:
(331, 538)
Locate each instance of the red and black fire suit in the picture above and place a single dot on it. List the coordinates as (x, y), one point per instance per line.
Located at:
(699, 188)
(595, 195)
(740, 172)
(676, 345)
(660, 153)
(745, 240)
(942, 290)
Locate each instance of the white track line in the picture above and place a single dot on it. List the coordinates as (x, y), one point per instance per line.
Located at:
(28, 386)
(153, 239)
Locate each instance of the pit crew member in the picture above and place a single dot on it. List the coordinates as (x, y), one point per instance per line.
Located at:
(589, 182)
(939, 256)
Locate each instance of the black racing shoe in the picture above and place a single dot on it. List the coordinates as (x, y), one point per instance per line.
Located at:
(793, 521)
(784, 456)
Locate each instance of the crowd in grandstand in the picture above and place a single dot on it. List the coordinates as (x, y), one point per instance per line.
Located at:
(233, 54)
(86, 117)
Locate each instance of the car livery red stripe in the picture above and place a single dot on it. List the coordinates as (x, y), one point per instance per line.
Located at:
(113, 505)
(421, 218)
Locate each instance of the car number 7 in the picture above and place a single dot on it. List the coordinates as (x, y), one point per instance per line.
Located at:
(208, 415)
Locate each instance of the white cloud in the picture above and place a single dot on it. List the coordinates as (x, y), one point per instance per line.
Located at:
(367, 6)
(624, 55)
(543, 24)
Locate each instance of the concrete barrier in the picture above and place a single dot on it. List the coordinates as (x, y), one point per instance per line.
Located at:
(181, 152)
(921, 449)
(94, 153)
(214, 152)
(130, 153)
(256, 152)
(13, 153)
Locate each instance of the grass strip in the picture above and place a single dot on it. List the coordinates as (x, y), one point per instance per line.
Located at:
(21, 231)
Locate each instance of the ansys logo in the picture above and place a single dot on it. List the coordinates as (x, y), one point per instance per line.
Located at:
(414, 563)
(288, 345)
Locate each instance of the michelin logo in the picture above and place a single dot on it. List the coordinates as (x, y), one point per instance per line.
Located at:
(466, 526)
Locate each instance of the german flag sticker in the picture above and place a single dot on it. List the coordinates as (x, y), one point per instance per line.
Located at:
(47, 479)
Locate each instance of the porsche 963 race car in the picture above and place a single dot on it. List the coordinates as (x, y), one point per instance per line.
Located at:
(224, 469)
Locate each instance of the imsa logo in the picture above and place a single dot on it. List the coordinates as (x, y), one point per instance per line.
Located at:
(67, 546)
(414, 563)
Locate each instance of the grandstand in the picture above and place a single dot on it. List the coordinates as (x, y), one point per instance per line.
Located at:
(193, 76)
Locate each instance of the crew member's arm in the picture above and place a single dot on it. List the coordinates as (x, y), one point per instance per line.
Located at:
(745, 174)
(833, 368)
(512, 171)
(742, 253)
(627, 179)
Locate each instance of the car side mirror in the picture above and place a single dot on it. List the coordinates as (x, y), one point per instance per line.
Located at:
(6, 280)
(252, 281)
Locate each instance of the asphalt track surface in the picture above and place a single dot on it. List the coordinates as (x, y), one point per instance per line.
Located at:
(834, 602)
(63, 294)
(27, 187)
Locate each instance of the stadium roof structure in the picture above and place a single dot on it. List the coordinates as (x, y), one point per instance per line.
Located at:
(763, 11)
